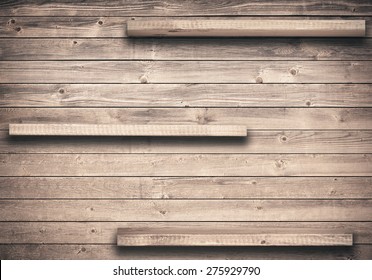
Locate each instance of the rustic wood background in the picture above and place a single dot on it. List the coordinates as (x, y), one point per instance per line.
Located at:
(305, 166)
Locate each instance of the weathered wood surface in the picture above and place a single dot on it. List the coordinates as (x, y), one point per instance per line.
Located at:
(252, 118)
(113, 252)
(185, 165)
(149, 238)
(245, 28)
(126, 130)
(185, 188)
(110, 27)
(258, 141)
(185, 72)
(185, 8)
(106, 232)
(197, 210)
(186, 49)
(186, 95)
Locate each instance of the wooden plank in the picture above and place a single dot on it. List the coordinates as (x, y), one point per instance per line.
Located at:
(245, 28)
(185, 72)
(197, 210)
(215, 238)
(186, 8)
(185, 165)
(186, 49)
(114, 27)
(185, 95)
(186, 188)
(111, 252)
(106, 232)
(258, 141)
(252, 118)
(126, 130)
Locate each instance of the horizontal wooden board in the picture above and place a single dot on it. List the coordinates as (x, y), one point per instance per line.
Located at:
(185, 72)
(245, 28)
(185, 165)
(252, 118)
(186, 8)
(185, 95)
(126, 130)
(106, 232)
(186, 188)
(186, 49)
(110, 27)
(186, 210)
(258, 141)
(230, 239)
(113, 252)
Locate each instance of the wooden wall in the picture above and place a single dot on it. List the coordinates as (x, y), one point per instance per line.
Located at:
(305, 166)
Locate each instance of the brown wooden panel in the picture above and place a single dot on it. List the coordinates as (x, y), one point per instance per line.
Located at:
(186, 188)
(186, 210)
(185, 165)
(245, 28)
(107, 27)
(185, 95)
(126, 130)
(185, 8)
(186, 49)
(106, 232)
(258, 141)
(252, 118)
(179, 238)
(185, 72)
(111, 252)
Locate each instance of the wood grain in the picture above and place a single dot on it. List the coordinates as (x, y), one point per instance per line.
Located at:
(186, 49)
(126, 130)
(185, 165)
(185, 72)
(99, 26)
(113, 252)
(197, 210)
(258, 141)
(252, 118)
(148, 238)
(245, 28)
(106, 232)
(185, 8)
(186, 95)
(186, 188)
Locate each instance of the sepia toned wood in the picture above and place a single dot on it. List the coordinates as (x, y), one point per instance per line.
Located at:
(197, 210)
(126, 130)
(185, 188)
(245, 28)
(185, 165)
(258, 141)
(185, 72)
(185, 8)
(186, 49)
(177, 237)
(99, 26)
(185, 95)
(106, 232)
(113, 252)
(252, 118)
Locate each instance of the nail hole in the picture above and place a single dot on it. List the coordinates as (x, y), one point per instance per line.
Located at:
(18, 29)
(100, 22)
(259, 80)
(12, 21)
(293, 72)
(61, 90)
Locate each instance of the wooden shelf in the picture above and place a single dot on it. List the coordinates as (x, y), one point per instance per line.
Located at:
(216, 237)
(246, 28)
(125, 130)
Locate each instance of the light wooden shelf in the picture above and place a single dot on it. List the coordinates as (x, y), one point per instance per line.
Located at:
(216, 237)
(125, 130)
(246, 28)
